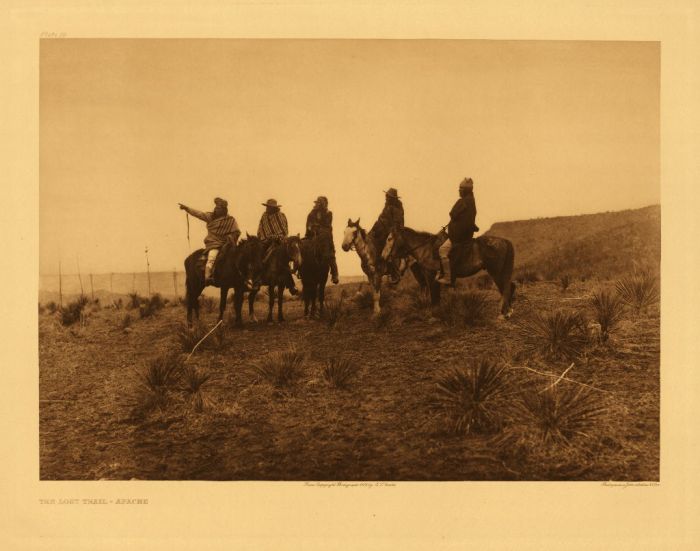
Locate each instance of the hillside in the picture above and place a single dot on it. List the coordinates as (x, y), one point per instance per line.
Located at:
(603, 245)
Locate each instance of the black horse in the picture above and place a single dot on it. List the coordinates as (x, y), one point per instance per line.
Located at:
(314, 269)
(276, 274)
(238, 267)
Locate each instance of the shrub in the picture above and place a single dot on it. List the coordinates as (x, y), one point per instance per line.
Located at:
(125, 321)
(194, 379)
(562, 413)
(74, 311)
(638, 291)
(459, 309)
(333, 311)
(280, 369)
(364, 298)
(420, 298)
(608, 311)
(565, 281)
(157, 380)
(190, 336)
(150, 306)
(339, 371)
(52, 307)
(208, 303)
(382, 319)
(135, 300)
(469, 398)
(527, 276)
(557, 335)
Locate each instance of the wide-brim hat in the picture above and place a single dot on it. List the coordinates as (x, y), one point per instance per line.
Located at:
(392, 192)
(321, 199)
(271, 203)
(219, 202)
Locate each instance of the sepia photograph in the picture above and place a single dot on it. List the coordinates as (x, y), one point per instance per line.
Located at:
(349, 260)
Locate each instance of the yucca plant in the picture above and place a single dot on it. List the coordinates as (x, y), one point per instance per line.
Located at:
(339, 371)
(608, 311)
(459, 309)
(420, 298)
(159, 377)
(281, 369)
(333, 311)
(190, 336)
(638, 291)
(557, 335)
(563, 413)
(194, 380)
(469, 397)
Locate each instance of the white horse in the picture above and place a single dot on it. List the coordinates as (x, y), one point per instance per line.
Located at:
(355, 237)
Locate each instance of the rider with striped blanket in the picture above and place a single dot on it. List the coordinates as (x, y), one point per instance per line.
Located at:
(221, 228)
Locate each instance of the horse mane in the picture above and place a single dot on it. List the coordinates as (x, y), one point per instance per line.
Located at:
(417, 233)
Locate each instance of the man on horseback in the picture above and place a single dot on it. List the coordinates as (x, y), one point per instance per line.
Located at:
(272, 229)
(319, 223)
(221, 228)
(461, 228)
(390, 218)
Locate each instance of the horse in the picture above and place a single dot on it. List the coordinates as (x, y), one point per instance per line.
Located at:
(239, 268)
(276, 273)
(314, 274)
(371, 260)
(493, 254)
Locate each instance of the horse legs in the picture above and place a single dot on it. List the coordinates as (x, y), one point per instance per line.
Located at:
(192, 295)
(222, 302)
(321, 296)
(251, 306)
(507, 289)
(270, 301)
(376, 294)
(238, 306)
(280, 301)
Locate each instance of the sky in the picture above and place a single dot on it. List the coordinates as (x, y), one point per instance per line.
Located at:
(131, 127)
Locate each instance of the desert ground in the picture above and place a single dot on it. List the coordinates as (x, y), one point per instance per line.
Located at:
(121, 397)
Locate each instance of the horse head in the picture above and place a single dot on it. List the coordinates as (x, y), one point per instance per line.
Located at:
(350, 234)
(293, 246)
(250, 262)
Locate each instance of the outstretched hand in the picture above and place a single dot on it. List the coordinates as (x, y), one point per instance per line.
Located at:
(182, 207)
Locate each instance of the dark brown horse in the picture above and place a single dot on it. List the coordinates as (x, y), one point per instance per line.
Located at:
(276, 274)
(493, 254)
(238, 267)
(315, 266)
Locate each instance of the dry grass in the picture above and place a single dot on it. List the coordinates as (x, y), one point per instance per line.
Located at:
(383, 426)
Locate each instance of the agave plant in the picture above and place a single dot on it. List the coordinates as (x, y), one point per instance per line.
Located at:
(469, 398)
(608, 311)
(557, 335)
(638, 291)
